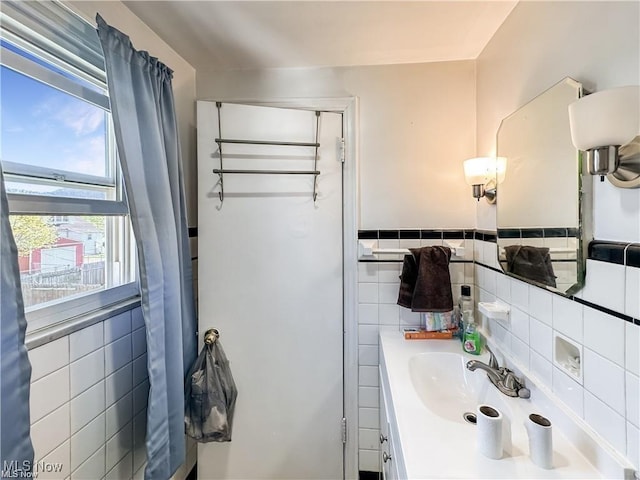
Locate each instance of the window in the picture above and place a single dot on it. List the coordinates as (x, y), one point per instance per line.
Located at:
(68, 210)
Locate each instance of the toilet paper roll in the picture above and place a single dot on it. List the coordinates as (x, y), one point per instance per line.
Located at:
(489, 426)
(540, 440)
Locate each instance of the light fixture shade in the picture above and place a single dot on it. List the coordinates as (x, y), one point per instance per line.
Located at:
(476, 169)
(606, 118)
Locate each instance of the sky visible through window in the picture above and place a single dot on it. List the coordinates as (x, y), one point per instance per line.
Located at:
(59, 256)
(43, 126)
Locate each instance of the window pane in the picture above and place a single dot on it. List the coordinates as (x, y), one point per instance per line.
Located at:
(43, 126)
(49, 66)
(63, 256)
(67, 191)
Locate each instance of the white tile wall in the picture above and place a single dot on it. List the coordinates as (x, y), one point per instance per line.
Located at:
(632, 383)
(608, 399)
(567, 317)
(605, 334)
(88, 401)
(378, 285)
(605, 285)
(49, 358)
(632, 348)
(610, 346)
(632, 286)
(633, 444)
(605, 380)
(605, 421)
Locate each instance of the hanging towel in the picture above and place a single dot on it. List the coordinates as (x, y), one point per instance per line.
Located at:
(425, 283)
(530, 262)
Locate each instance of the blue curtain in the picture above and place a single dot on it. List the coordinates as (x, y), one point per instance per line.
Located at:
(144, 119)
(16, 451)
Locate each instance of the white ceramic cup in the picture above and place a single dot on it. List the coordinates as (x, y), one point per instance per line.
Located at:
(540, 440)
(489, 431)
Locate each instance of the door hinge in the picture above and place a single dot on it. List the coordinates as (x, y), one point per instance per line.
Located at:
(342, 150)
(344, 430)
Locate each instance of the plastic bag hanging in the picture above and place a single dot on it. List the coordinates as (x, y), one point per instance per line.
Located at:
(210, 395)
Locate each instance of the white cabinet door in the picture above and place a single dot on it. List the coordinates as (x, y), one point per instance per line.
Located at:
(387, 454)
(390, 457)
(270, 279)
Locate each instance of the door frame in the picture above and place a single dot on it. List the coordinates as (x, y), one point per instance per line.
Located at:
(348, 107)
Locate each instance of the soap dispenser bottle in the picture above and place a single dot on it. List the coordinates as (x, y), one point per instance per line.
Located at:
(471, 341)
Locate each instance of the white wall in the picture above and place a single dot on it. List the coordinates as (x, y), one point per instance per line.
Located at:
(596, 43)
(184, 80)
(416, 126)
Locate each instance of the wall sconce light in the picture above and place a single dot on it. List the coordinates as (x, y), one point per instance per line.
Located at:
(483, 174)
(606, 125)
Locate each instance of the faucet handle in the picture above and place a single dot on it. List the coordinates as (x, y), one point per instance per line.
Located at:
(510, 380)
(524, 392)
(493, 361)
(515, 384)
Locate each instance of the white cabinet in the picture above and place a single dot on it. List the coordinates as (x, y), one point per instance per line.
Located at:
(389, 456)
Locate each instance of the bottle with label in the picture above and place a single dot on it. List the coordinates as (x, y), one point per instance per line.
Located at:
(471, 340)
(464, 309)
(465, 304)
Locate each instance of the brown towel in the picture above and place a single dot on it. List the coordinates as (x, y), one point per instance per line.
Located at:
(425, 283)
(530, 262)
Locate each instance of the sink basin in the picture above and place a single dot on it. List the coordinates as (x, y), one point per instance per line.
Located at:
(448, 389)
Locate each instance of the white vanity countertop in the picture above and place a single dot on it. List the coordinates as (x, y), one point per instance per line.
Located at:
(434, 447)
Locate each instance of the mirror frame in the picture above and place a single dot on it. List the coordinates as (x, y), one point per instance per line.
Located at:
(584, 210)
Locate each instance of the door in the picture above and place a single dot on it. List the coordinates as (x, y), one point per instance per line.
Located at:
(270, 280)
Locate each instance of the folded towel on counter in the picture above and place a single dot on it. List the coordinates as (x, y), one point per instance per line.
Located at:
(425, 283)
(530, 262)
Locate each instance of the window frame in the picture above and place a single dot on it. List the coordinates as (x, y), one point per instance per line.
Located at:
(122, 250)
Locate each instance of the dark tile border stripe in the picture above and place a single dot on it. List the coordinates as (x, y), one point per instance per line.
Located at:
(416, 234)
(620, 253)
(367, 234)
(633, 256)
(612, 252)
(388, 234)
(431, 234)
(362, 475)
(600, 308)
(509, 233)
(452, 234)
(486, 236)
(607, 252)
(409, 234)
(613, 313)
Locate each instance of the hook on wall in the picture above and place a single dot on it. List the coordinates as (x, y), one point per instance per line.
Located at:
(211, 336)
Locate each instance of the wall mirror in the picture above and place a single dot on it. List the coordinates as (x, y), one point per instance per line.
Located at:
(542, 226)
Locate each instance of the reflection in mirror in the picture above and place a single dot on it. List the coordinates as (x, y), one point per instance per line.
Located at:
(541, 233)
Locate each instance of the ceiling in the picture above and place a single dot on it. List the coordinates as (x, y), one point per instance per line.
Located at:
(232, 35)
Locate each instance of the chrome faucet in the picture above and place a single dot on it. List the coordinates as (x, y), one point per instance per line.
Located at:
(503, 378)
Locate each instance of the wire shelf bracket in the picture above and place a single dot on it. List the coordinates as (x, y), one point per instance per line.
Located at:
(222, 171)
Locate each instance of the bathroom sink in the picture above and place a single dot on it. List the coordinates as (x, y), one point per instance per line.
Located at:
(448, 389)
